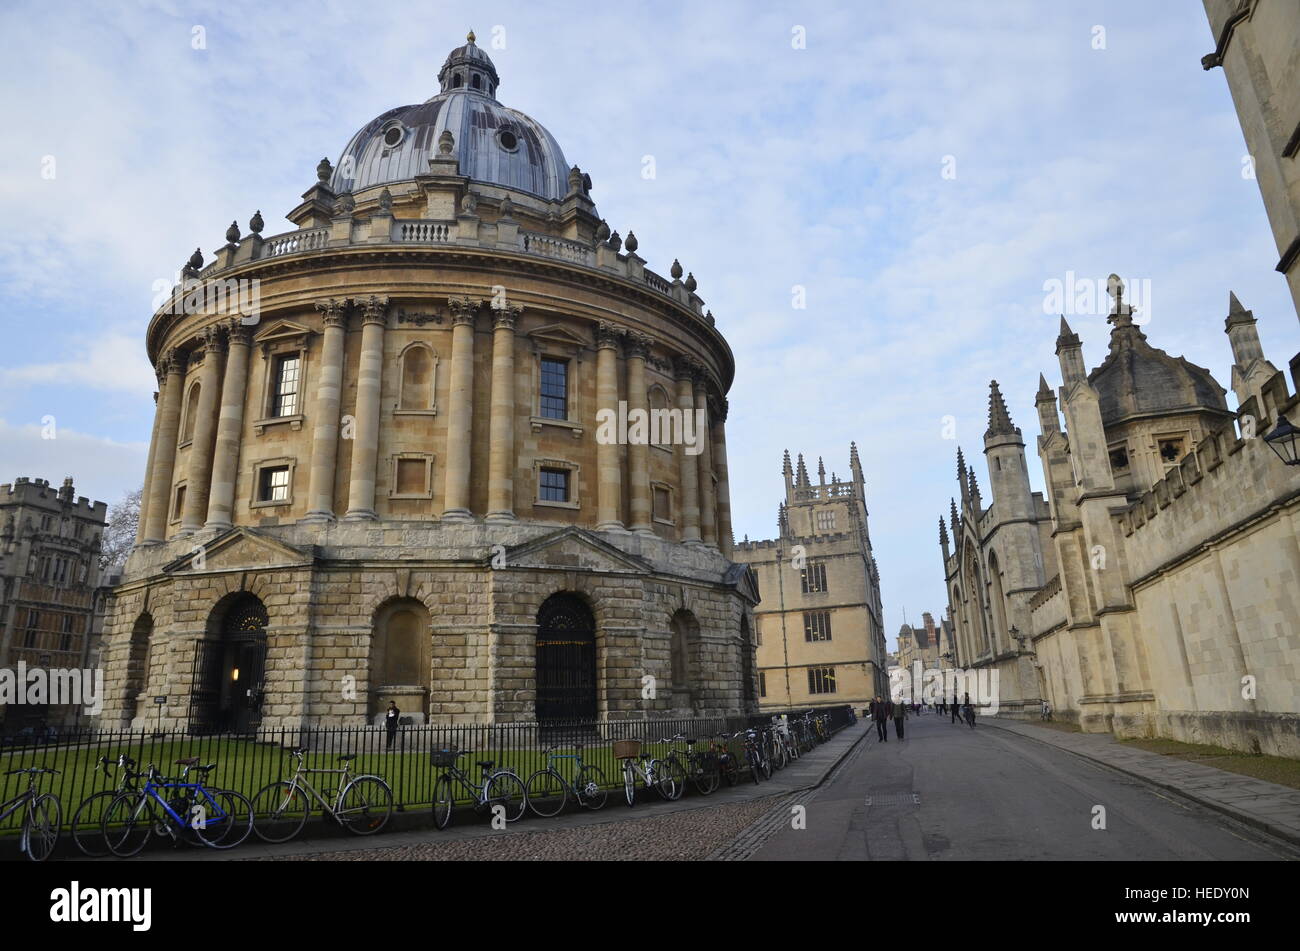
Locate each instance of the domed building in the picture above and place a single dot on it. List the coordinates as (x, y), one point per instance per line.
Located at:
(448, 443)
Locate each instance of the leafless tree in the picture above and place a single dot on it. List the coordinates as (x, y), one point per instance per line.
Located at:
(119, 532)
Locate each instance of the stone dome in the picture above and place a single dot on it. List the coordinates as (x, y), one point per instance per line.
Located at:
(1137, 379)
(494, 144)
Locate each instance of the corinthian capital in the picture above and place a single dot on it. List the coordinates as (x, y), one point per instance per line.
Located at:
(608, 336)
(687, 368)
(333, 311)
(374, 310)
(463, 309)
(238, 333)
(636, 345)
(214, 339)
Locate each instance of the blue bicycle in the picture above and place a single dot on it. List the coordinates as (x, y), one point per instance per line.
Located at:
(217, 818)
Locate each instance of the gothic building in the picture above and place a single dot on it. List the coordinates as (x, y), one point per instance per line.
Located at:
(384, 474)
(1152, 593)
(49, 589)
(819, 625)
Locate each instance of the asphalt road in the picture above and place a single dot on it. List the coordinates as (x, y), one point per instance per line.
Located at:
(950, 792)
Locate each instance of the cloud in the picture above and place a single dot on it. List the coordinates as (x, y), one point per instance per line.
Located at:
(102, 469)
(110, 362)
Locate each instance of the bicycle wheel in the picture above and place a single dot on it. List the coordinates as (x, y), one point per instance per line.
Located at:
(128, 824)
(41, 834)
(670, 778)
(280, 811)
(507, 790)
(704, 774)
(629, 783)
(547, 793)
(223, 823)
(766, 765)
(443, 801)
(592, 787)
(365, 804)
(755, 771)
(88, 824)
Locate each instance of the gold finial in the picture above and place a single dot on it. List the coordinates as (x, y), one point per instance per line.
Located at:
(470, 36)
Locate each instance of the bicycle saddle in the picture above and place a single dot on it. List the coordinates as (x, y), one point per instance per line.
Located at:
(487, 763)
(347, 757)
(691, 741)
(188, 761)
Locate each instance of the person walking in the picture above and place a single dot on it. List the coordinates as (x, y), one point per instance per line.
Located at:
(968, 711)
(391, 720)
(900, 714)
(880, 716)
(955, 709)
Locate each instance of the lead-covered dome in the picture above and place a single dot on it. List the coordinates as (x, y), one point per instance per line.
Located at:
(494, 144)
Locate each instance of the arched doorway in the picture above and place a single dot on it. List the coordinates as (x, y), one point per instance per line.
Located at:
(137, 665)
(228, 668)
(566, 660)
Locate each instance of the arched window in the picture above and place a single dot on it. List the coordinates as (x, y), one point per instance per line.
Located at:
(400, 658)
(417, 373)
(191, 410)
(566, 660)
(457, 81)
(661, 419)
(476, 82)
(684, 644)
(997, 606)
(137, 663)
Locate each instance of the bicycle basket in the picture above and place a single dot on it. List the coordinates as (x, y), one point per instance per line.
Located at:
(627, 749)
(443, 757)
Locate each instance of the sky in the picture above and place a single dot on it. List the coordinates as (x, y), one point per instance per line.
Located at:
(875, 199)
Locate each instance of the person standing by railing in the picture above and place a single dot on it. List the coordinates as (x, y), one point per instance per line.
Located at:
(392, 719)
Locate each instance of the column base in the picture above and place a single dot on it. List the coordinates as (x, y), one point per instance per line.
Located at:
(361, 515)
(694, 542)
(218, 526)
(501, 517)
(458, 515)
(645, 531)
(614, 526)
(319, 517)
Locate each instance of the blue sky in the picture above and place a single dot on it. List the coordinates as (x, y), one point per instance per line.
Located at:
(819, 167)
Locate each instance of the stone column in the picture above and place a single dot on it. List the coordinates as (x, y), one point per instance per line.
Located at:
(501, 460)
(199, 470)
(143, 520)
(688, 467)
(638, 451)
(325, 434)
(460, 415)
(365, 446)
(609, 477)
(719, 414)
(172, 366)
(708, 497)
(230, 427)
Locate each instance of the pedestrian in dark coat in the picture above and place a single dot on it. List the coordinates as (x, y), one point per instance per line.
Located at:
(391, 720)
(880, 717)
(900, 714)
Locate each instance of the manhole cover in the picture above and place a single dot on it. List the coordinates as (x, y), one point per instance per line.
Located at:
(893, 799)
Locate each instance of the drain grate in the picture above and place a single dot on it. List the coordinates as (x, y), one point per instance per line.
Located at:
(893, 799)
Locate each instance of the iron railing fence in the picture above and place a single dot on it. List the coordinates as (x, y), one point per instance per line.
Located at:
(839, 716)
(248, 762)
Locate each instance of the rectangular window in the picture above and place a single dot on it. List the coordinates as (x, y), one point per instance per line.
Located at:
(554, 485)
(813, 578)
(274, 484)
(411, 477)
(821, 680)
(762, 683)
(817, 625)
(33, 622)
(758, 631)
(663, 504)
(555, 389)
(180, 503)
(826, 521)
(288, 368)
(1119, 459)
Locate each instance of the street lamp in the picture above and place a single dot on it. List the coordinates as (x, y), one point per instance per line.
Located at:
(1282, 440)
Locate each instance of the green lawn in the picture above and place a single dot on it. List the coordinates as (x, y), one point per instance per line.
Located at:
(1274, 769)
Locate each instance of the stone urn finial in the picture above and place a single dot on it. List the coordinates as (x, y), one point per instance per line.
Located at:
(602, 230)
(232, 233)
(676, 270)
(386, 201)
(324, 170)
(631, 243)
(345, 204)
(469, 204)
(191, 268)
(507, 209)
(615, 241)
(446, 142)
(690, 283)
(256, 224)
(575, 179)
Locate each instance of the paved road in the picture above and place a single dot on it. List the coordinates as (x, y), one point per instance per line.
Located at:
(949, 792)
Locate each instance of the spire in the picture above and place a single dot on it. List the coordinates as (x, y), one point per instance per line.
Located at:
(1069, 352)
(1236, 313)
(853, 455)
(785, 465)
(1044, 391)
(1045, 400)
(954, 518)
(999, 419)
(961, 466)
(974, 490)
(801, 473)
(821, 471)
(1066, 336)
(782, 521)
(943, 532)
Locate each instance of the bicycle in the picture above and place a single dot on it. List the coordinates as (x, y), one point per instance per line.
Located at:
(725, 758)
(42, 817)
(361, 804)
(702, 768)
(638, 763)
(218, 818)
(88, 822)
(758, 764)
(500, 788)
(548, 790)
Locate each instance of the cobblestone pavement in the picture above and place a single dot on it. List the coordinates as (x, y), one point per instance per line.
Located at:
(678, 836)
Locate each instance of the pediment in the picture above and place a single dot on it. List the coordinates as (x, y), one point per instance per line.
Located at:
(240, 548)
(559, 334)
(281, 330)
(574, 549)
(745, 580)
